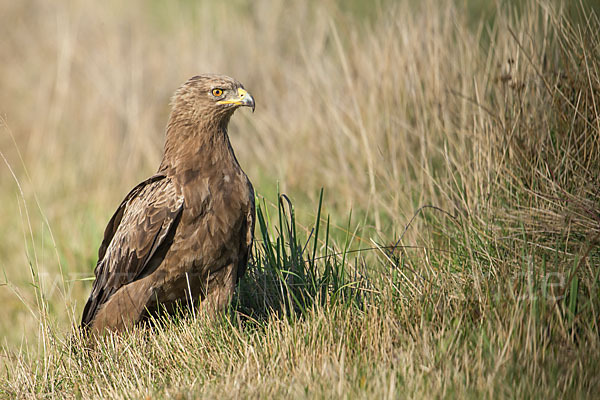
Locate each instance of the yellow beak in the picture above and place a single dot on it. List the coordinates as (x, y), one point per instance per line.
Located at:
(243, 99)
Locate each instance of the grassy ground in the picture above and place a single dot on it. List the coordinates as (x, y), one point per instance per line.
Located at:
(455, 250)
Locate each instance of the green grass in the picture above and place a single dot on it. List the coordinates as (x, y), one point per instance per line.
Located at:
(428, 211)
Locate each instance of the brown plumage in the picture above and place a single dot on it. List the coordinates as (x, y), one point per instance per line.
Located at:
(186, 231)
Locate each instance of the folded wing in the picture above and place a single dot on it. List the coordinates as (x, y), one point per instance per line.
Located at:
(135, 240)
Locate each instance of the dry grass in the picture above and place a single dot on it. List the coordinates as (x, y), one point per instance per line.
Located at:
(493, 293)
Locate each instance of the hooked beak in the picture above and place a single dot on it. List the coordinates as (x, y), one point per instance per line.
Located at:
(242, 99)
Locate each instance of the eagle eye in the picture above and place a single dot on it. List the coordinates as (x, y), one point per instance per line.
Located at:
(217, 92)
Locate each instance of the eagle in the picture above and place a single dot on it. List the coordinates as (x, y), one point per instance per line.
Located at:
(184, 235)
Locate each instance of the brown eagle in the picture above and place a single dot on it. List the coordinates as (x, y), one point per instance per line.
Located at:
(183, 235)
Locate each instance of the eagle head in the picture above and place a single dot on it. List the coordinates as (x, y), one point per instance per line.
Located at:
(209, 97)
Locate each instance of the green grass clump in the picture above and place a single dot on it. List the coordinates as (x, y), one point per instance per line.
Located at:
(293, 274)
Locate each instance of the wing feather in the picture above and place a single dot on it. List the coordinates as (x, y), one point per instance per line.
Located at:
(138, 229)
(246, 243)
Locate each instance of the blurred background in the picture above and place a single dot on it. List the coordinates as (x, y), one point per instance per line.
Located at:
(374, 101)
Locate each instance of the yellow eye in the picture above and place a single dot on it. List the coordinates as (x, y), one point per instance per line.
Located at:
(217, 92)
